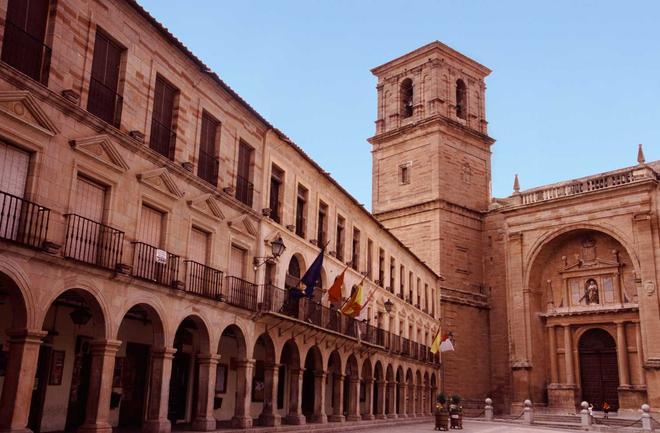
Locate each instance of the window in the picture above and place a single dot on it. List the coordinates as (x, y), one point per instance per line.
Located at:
(461, 99)
(151, 223)
(237, 262)
(163, 137)
(199, 244)
(355, 257)
(339, 238)
(322, 226)
(23, 45)
(419, 293)
(275, 204)
(244, 186)
(392, 272)
(87, 240)
(370, 247)
(207, 167)
(402, 281)
(14, 165)
(301, 211)
(426, 297)
(404, 173)
(406, 98)
(381, 267)
(103, 99)
(410, 287)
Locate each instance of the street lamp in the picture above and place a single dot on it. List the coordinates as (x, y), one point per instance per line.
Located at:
(277, 248)
(388, 306)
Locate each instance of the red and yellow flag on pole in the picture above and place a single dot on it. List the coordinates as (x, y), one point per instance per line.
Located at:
(334, 292)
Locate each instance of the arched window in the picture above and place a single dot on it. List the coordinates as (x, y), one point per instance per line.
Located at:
(461, 99)
(406, 98)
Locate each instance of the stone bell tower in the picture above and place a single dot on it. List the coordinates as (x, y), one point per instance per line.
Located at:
(431, 187)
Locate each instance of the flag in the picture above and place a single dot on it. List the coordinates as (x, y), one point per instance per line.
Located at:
(312, 275)
(447, 344)
(352, 306)
(362, 311)
(334, 292)
(435, 346)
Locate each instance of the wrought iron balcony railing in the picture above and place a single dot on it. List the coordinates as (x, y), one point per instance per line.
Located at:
(92, 242)
(22, 221)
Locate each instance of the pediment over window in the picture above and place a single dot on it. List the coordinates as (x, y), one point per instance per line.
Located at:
(243, 224)
(207, 205)
(20, 105)
(101, 148)
(161, 180)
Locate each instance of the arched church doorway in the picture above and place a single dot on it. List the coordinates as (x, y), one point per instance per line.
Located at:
(598, 368)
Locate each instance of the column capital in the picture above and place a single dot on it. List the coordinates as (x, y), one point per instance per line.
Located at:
(163, 352)
(26, 335)
(271, 366)
(245, 363)
(321, 373)
(100, 347)
(208, 358)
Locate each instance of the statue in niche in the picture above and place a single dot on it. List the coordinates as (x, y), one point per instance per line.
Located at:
(591, 292)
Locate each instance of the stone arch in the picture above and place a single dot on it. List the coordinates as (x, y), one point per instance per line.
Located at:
(266, 341)
(90, 295)
(334, 390)
(17, 283)
(378, 371)
(548, 237)
(153, 314)
(234, 332)
(198, 324)
(18, 303)
(312, 377)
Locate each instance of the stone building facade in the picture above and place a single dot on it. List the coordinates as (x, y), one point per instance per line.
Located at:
(142, 205)
(551, 293)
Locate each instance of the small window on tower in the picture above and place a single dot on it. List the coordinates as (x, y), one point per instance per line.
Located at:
(407, 98)
(461, 99)
(404, 173)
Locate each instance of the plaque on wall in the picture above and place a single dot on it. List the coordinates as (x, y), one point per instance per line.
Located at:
(56, 367)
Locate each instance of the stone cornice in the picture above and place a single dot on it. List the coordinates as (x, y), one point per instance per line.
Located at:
(438, 119)
(432, 205)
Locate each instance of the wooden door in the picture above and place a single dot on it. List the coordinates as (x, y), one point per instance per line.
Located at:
(599, 369)
(14, 164)
(131, 411)
(237, 263)
(85, 234)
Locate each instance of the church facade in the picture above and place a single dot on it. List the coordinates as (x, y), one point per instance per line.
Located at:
(551, 293)
(155, 229)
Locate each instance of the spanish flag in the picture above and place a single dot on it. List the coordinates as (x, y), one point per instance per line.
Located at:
(354, 304)
(435, 346)
(334, 292)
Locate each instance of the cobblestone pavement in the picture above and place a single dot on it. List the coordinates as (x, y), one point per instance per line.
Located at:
(468, 427)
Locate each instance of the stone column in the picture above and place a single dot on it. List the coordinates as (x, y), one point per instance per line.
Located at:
(353, 399)
(319, 399)
(244, 370)
(19, 379)
(403, 409)
(100, 386)
(204, 420)
(622, 354)
(640, 354)
(410, 407)
(159, 391)
(552, 343)
(568, 355)
(391, 402)
(380, 403)
(337, 398)
(369, 400)
(269, 416)
(295, 415)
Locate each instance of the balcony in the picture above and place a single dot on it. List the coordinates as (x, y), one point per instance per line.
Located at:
(244, 190)
(93, 243)
(240, 293)
(22, 221)
(202, 280)
(104, 102)
(207, 168)
(26, 53)
(155, 265)
(162, 139)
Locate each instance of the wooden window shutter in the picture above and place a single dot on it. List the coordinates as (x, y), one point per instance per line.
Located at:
(199, 246)
(14, 165)
(150, 226)
(237, 263)
(90, 200)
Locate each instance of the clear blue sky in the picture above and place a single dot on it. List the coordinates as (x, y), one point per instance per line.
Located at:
(575, 84)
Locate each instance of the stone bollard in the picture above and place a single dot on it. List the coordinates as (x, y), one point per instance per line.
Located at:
(585, 416)
(488, 410)
(528, 412)
(646, 418)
